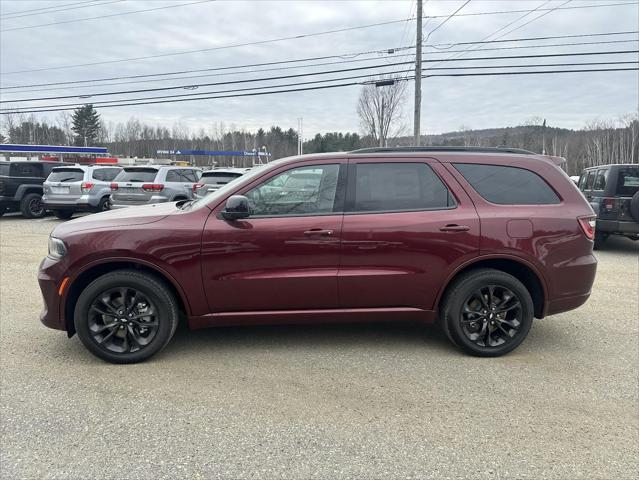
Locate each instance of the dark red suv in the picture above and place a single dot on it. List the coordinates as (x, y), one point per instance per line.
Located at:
(481, 240)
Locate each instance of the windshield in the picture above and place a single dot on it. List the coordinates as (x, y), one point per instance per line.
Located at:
(66, 175)
(628, 181)
(136, 175)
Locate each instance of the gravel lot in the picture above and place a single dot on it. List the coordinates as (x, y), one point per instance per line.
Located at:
(366, 401)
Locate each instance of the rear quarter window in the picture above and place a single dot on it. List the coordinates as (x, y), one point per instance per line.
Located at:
(105, 174)
(627, 181)
(507, 185)
(26, 170)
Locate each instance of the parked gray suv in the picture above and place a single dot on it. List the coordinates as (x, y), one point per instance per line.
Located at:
(78, 188)
(212, 180)
(153, 184)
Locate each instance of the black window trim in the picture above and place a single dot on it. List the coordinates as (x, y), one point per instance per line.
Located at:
(350, 189)
(541, 205)
(340, 191)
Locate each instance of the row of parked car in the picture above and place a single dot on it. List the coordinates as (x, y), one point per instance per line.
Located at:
(64, 189)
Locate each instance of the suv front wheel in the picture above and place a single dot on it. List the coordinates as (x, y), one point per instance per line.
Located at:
(487, 313)
(126, 316)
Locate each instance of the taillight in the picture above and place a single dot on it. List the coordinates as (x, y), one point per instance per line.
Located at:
(153, 187)
(587, 224)
(608, 203)
(197, 185)
(86, 186)
(114, 186)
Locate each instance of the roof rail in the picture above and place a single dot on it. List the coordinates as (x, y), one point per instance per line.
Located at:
(442, 149)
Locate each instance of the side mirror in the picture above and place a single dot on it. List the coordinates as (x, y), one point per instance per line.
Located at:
(236, 208)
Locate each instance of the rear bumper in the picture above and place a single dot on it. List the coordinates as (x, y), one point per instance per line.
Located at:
(614, 226)
(82, 203)
(48, 279)
(571, 284)
(152, 200)
(76, 207)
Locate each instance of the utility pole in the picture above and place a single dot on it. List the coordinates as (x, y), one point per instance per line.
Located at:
(300, 139)
(418, 76)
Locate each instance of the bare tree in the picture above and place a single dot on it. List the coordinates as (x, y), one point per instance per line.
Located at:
(380, 111)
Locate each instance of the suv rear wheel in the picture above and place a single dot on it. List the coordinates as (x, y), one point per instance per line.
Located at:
(104, 205)
(487, 313)
(63, 214)
(126, 316)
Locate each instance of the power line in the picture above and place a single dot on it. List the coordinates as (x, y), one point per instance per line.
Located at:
(3, 17)
(261, 42)
(368, 67)
(491, 67)
(370, 52)
(323, 87)
(45, 8)
(400, 56)
(446, 20)
(105, 16)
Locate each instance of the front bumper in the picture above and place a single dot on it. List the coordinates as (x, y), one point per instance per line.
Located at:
(50, 279)
(618, 227)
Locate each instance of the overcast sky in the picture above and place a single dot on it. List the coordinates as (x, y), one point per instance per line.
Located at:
(565, 100)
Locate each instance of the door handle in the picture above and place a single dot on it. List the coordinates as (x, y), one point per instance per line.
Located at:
(454, 228)
(318, 232)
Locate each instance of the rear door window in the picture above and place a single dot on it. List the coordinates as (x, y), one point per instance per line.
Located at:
(507, 185)
(600, 180)
(136, 175)
(105, 174)
(26, 170)
(66, 175)
(396, 187)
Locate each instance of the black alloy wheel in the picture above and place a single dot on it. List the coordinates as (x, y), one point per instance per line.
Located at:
(126, 316)
(32, 206)
(487, 312)
(491, 316)
(122, 320)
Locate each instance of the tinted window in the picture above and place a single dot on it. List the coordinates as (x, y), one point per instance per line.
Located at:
(507, 185)
(66, 175)
(189, 175)
(590, 181)
(398, 186)
(136, 175)
(218, 178)
(627, 181)
(600, 180)
(105, 174)
(299, 191)
(26, 170)
(4, 168)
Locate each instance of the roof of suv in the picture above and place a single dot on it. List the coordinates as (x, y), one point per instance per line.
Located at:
(443, 149)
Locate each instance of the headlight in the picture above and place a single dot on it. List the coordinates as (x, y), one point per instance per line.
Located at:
(57, 248)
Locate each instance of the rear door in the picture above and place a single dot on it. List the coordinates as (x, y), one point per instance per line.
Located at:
(407, 225)
(64, 185)
(134, 185)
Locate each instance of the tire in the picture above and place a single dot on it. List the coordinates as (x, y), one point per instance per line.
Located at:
(634, 207)
(63, 214)
(491, 334)
(31, 206)
(104, 205)
(146, 326)
(600, 239)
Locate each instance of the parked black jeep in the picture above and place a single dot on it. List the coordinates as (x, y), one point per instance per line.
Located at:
(21, 186)
(613, 193)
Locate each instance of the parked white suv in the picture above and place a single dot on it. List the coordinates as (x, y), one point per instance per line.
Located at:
(153, 184)
(78, 188)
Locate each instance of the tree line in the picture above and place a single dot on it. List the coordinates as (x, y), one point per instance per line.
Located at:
(599, 142)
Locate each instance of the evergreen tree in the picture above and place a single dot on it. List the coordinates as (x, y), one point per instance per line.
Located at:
(86, 125)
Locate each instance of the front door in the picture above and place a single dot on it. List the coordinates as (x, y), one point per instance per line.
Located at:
(404, 231)
(285, 256)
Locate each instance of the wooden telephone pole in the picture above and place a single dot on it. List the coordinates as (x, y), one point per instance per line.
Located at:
(418, 77)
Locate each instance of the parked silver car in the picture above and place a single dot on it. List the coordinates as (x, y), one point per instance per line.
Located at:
(78, 188)
(153, 184)
(211, 180)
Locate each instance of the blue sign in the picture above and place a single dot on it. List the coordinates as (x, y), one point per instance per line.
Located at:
(234, 153)
(8, 147)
